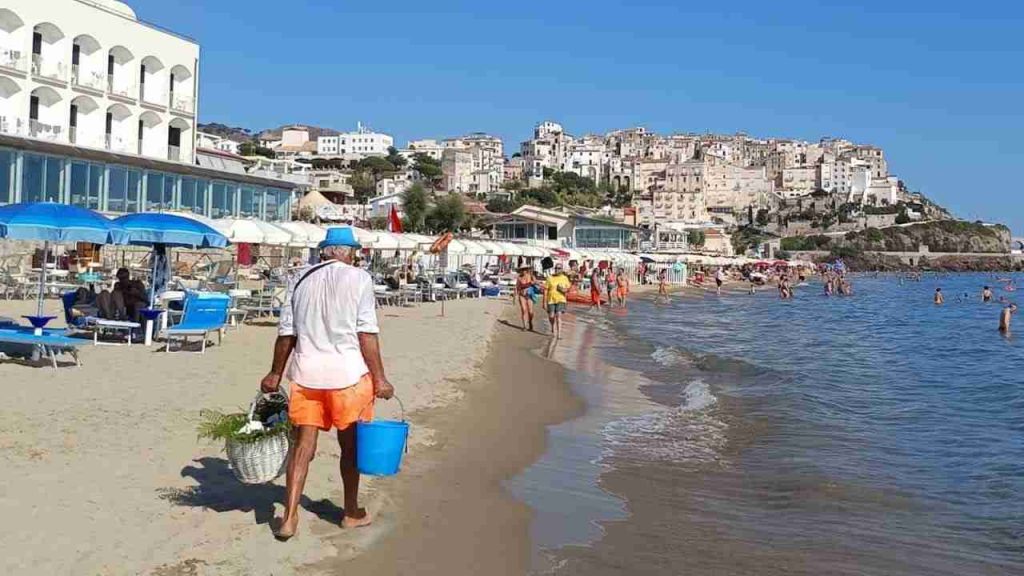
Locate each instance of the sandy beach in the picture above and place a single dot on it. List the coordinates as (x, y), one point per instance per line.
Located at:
(103, 473)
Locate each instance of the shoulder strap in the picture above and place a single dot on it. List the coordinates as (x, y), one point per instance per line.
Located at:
(310, 273)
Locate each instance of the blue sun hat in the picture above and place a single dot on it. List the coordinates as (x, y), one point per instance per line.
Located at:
(340, 236)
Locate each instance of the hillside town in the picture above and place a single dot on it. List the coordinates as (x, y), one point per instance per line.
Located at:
(664, 186)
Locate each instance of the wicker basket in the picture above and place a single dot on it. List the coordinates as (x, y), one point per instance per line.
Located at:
(260, 461)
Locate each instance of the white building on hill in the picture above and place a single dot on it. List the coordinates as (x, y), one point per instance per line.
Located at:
(359, 144)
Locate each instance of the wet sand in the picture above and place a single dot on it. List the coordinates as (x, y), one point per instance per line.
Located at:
(451, 513)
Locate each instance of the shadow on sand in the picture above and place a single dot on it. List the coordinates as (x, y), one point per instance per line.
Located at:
(220, 491)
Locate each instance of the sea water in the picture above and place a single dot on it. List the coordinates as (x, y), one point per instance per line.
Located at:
(871, 434)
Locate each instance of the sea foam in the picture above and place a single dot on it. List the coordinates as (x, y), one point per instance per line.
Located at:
(689, 433)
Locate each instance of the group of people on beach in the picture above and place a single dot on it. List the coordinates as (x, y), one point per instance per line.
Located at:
(554, 290)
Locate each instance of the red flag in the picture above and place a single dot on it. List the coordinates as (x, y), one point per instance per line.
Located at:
(394, 222)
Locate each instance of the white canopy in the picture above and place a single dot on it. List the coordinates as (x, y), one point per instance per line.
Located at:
(474, 247)
(535, 251)
(456, 247)
(304, 233)
(222, 226)
(252, 231)
(388, 241)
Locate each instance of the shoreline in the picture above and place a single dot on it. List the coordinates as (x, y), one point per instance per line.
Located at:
(468, 522)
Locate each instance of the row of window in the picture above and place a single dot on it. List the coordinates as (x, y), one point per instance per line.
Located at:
(27, 177)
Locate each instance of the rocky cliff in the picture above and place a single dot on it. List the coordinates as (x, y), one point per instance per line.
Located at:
(948, 236)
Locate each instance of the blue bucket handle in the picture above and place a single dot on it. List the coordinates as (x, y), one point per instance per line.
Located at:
(374, 400)
(400, 405)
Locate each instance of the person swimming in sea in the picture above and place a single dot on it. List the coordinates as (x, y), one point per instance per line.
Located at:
(938, 296)
(986, 294)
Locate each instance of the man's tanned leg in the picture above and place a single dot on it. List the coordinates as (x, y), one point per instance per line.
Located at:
(354, 515)
(298, 466)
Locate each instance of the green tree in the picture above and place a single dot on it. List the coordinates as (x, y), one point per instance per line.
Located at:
(378, 167)
(414, 204)
(762, 217)
(254, 149)
(427, 167)
(363, 185)
(696, 237)
(502, 206)
(447, 215)
(396, 159)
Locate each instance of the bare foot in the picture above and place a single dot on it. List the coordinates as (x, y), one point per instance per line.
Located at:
(358, 520)
(286, 529)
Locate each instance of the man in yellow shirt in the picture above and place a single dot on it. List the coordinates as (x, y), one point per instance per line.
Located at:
(555, 289)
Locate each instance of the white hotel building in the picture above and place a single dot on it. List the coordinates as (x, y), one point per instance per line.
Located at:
(99, 108)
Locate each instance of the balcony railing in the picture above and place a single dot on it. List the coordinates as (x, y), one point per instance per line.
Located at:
(47, 68)
(123, 91)
(91, 80)
(151, 96)
(11, 125)
(13, 59)
(184, 104)
(174, 153)
(43, 131)
(115, 143)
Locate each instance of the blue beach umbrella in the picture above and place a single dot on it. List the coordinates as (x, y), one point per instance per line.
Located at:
(152, 228)
(50, 222)
(162, 231)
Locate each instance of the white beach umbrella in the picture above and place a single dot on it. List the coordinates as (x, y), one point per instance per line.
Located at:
(456, 247)
(510, 249)
(304, 233)
(492, 248)
(243, 231)
(220, 225)
(475, 247)
(252, 231)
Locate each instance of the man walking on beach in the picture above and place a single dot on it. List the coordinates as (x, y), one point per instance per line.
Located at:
(329, 331)
(555, 289)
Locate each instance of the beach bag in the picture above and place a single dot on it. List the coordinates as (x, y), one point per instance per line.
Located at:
(264, 459)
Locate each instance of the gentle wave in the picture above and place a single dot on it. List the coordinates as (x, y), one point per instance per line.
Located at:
(688, 434)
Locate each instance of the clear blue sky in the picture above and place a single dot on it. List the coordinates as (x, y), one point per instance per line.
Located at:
(938, 84)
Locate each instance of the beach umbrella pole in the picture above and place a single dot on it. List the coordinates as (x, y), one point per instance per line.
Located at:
(42, 279)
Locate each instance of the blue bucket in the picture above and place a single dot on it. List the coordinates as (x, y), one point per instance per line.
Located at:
(380, 445)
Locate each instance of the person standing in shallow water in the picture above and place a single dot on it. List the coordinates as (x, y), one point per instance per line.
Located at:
(1005, 317)
(938, 296)
(986, 294)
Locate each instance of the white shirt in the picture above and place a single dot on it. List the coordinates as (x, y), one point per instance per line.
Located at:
(326, 314)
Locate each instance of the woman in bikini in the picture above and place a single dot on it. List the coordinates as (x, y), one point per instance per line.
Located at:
(524, 289)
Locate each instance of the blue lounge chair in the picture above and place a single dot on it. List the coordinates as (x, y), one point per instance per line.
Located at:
(51, 342)
(205, 312)
(94, 324)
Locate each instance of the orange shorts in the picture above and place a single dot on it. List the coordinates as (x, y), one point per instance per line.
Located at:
(327, 408)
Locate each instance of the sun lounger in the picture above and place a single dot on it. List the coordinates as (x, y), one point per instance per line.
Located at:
(94, 324)
(51, 342)
(205, 312)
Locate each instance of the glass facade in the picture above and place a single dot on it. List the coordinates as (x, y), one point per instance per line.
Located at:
(597, 237)
(117, 188)
(6, 176)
